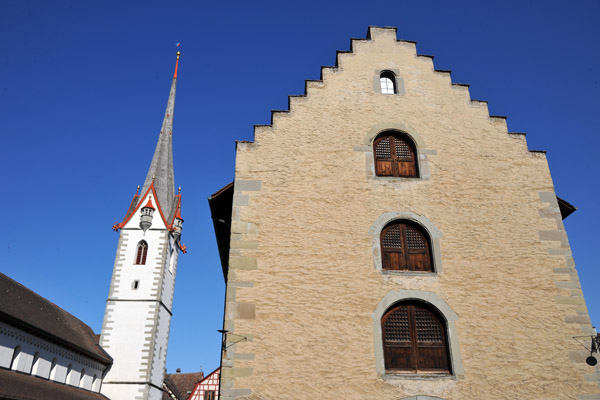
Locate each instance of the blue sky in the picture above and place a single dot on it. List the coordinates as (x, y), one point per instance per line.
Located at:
(84, 85)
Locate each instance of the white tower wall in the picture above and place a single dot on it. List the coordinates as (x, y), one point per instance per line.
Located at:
(136, 324)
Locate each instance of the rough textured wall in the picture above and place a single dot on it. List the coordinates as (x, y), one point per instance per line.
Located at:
(303, 286)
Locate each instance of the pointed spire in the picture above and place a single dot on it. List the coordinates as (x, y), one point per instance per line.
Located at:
(161, 169)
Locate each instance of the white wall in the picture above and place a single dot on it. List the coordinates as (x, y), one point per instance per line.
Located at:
(11, 337)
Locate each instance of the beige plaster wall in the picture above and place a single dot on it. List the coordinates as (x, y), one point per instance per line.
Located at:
(303, 286)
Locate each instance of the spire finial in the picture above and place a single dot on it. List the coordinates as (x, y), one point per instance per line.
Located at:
(153, 178)
(176, 65)
(179, 192)
(138, 190)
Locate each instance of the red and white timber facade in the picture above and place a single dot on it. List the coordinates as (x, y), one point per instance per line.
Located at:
(138, 313)
(207, 388)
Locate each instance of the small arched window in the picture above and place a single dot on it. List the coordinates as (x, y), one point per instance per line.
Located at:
(387, 80)
(15, 358)
(395, 155)
(53, 369)
(34, 364)
(405, 247)
(142, 252)
(414, 339)
(82, 378)
(69, 374)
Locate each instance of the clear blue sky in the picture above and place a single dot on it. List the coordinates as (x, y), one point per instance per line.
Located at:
(84, 85)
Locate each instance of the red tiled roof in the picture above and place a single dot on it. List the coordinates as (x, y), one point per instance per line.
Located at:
(184, 383)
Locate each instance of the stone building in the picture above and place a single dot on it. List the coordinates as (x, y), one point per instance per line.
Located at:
(387, 238)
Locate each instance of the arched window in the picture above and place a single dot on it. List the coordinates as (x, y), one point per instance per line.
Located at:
(34, 364)
(69, 374)
(395, 155)
(414, 339)
(53, 369)
(81, 378)
(15, 358)
(142, 252)
(387, 80)
(405, 247)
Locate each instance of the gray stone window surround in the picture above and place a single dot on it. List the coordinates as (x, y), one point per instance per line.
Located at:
(411, 133)
(398, 84)
(395, 296)
(434, 241)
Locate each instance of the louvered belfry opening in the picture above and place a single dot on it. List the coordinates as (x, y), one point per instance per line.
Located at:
(414, 339)
(405, 247)
(142, 252)
(395, 155)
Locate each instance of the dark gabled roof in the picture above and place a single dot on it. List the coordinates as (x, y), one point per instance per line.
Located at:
(17, 386)
(565, 207)
(30, 312)
(182, 384)
(170, 390)
(220, 204)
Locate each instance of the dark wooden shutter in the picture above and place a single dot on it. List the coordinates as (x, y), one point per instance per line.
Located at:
(394, 156)
(391, 245)
(405, 158)
(397, 340)
(405, 247)
(418, 256)
(414, 340)
(384, 163)
(430, 341)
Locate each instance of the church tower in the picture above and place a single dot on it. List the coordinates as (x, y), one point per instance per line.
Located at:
(138, 313)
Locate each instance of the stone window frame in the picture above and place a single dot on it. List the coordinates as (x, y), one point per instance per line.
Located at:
(141, 253)
(433, 300)
(434, 241)
(398, 81)
(422, 151)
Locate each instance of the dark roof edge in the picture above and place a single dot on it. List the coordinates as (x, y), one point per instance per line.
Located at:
(107, 360)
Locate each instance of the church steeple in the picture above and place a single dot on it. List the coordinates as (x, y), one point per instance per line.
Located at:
(138, 313)
(161, 168)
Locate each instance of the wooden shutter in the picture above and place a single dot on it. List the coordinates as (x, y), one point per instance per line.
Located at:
(394, 156)
(384, 162)
(397, 340)
(430, 341)
(414, 340)
(391, 248)
(404, 247)
(404, 158)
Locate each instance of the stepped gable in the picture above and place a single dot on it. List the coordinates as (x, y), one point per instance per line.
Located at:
(31, 312)
(311, 83)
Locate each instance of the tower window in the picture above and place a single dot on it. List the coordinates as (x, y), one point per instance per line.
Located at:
(387, 81)
(405, 246)
(414, 339)
(395, 155)
(142, 252)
